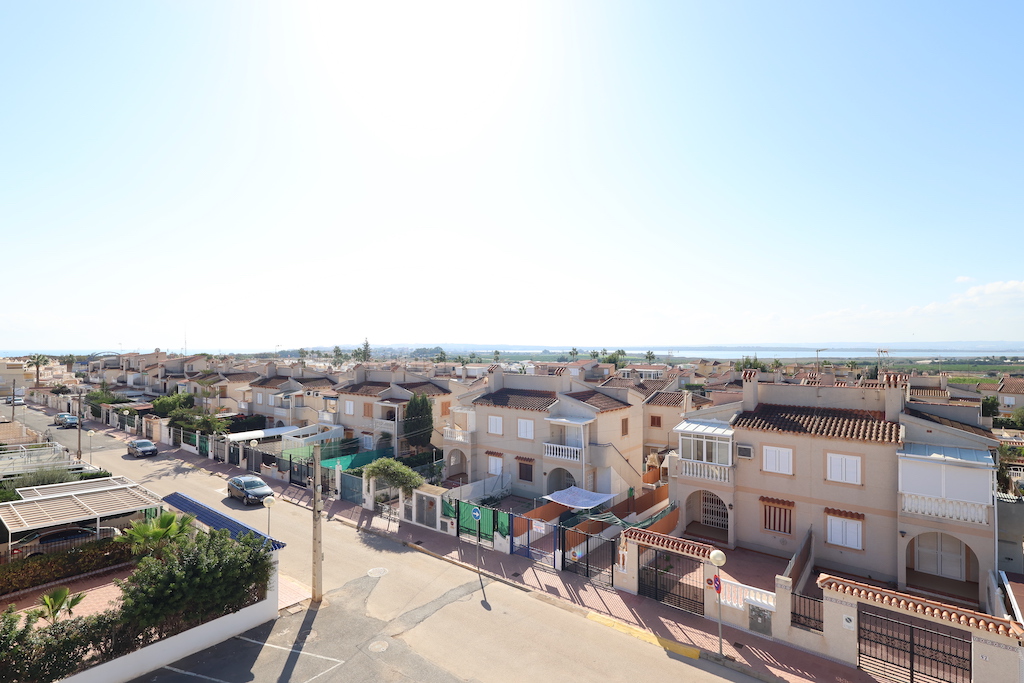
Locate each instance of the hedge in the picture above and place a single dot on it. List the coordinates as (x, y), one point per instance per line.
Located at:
(42, 569)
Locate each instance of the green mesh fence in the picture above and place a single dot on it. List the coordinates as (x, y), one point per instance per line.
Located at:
(349, 462)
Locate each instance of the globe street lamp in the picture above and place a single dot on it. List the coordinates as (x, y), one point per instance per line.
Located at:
(268, 503)
(717, 558)
(92, 433)
(126, 414)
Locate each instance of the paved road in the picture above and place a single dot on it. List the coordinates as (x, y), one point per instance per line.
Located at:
(392, 613)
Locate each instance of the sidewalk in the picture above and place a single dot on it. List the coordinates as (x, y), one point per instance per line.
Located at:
(674, 630)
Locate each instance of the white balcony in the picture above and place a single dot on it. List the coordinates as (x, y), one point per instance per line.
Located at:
(328, 418)
(388, 426)
(554, 450)
(456, 435)
(695, 469)
(942, 508)
(280, 412)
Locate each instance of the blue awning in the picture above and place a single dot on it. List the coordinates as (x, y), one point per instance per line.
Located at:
(215, 520)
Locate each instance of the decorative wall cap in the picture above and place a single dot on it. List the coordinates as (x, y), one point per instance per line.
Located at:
(666, 542)
(777, 501)
(846, 514)
(915, 605)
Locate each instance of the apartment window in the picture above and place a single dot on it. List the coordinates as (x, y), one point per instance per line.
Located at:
(350, 407)
(494, 424)
(494, 464)
(844, 468)
(367, 410)
(713, 449)
(845, 532)
(779, 460)
(526, 471)
(270, 400)
(446, 408)
(259, 399)
(1009, 400)
(777, 515)
(367, 442)
(525, 429)
(625, 426)
(655, 420)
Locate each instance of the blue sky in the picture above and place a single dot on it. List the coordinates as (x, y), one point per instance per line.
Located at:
(255, 174)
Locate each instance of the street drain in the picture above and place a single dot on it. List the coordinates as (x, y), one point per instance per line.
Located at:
(377, 572)
(378, 646)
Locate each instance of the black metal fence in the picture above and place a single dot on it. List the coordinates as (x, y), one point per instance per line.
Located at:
(806, 612)
(904, 649)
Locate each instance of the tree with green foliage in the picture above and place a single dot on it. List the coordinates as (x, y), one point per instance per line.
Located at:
(573, 353)
(394, 474)
(1005, 455)
(38, 361)
(594, 354)
(649, 356)
(776, 365)
(441, 357)
(364, 353)
(852, 365)
(165, 405)
(871, 372)
(59, 602)
(159, 537)
(60, 390)
(990, 406)
(303, 355)
(460, 359)
(1018, 417)
(419, 421)
(748, 363)
(338, 357)
(497, 355)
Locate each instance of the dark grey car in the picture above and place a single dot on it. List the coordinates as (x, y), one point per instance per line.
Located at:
(249, 489)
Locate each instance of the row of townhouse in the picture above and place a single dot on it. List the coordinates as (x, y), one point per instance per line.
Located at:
(895, 480)
(1009, 392)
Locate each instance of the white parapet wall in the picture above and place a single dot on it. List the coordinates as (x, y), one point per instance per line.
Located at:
(172, 649)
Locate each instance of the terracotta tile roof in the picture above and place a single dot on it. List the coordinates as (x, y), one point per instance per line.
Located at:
(598, 400)
(915, 605)
(833, 423)
(523, 458)
(496, 454)
(1012, 385)
(845, 514)
(677, 545)
(946, 422)
(273, 382)
(523, 399)
(645, 387)
(364, 388)
(241, 376)
(314, 382)
(668, 398)
(777, 502)
(929, 393)
(424, 389)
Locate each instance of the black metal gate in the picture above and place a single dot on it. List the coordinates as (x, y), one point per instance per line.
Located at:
(300, 473)
(234, 452)
(904, 649)
(675, 580)
(535, 539)
(589, 555)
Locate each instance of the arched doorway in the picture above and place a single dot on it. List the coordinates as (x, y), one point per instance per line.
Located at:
(942, 563)
(457, 466)
(560, 479)
(279, 424)
(707, 516)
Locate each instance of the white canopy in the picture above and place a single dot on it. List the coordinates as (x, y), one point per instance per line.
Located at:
(577, 498)
(261, 433)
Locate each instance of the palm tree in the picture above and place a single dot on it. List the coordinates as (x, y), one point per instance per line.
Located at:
(852, 364)
(574, 353)
(776, 365)
(649, 356)
(38, 361)
(594, 354)
(159, 536)
(441, 357)
(57, 602)
(497, 355)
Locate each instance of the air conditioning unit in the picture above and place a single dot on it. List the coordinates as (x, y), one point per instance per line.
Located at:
(316, 393)
(309, 393)
(743, 451)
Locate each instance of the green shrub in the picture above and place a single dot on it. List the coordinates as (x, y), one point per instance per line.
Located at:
(36, 571)
(99, 474)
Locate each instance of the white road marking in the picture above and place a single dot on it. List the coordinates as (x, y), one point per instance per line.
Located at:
(194, 675)
(289, 649)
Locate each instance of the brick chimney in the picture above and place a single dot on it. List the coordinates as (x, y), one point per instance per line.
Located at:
(750, 390)
(893, 386)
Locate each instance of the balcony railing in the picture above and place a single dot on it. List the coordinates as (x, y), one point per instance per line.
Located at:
(457, 435)
(280, 412)
(695, 469)
(327, 417)
(388, 426)
(737, 595)
(955, 510)
(554, 450)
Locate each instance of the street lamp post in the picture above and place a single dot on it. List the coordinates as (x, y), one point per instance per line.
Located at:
(268, 503)
(717, 558)
(126, 414)
(252, 445)
(81, 419)
(92, 433)
(318, 546)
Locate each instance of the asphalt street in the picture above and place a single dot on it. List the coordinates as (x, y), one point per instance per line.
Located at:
(390, 613)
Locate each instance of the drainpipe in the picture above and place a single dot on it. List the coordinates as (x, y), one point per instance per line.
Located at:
(583, 455)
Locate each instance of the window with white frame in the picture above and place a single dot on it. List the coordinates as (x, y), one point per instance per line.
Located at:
(705, 448)
(350, 407)
(778, 460)
(525, 429)
(845, 532)
(494, 464)
(843, 468)
(494, 424)
(367, 442)
(1009, 400)
(259, 399)
(270, 400)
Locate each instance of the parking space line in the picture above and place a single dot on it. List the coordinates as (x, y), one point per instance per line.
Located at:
(194, 675)
(289, 649)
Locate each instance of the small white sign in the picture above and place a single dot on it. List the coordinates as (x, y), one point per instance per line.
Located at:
(848, 621)
(538, 526)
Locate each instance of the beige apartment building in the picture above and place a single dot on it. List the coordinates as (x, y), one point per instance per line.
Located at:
(546, 433)
(892, 489)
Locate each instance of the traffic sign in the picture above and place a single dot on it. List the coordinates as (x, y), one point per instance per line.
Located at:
(476, 514)
(718, 584)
